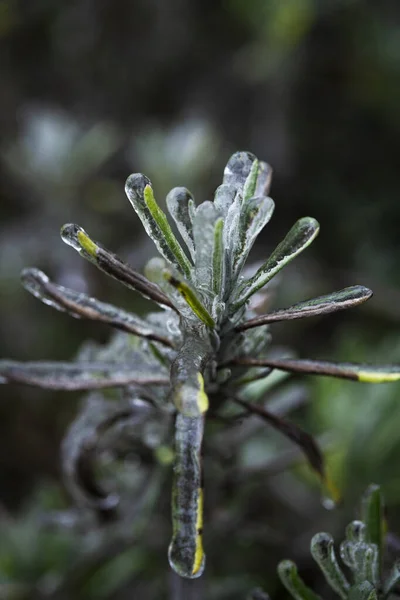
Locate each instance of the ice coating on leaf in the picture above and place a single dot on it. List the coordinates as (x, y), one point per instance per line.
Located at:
(218, 260)
(323, 552)
(78, 239)
(299, 237)
(223, 198)
(81, 376)
(290, 578)
(322, 305)
(238, 168)
(255, 214)
(186, 555)
(111, 264)
(81, 306)
(182, 209)
(140, 193)
(203, 231)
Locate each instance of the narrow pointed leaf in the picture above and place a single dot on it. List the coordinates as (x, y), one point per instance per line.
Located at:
(258, 181)
(218, 271)
(181, 207)
(140, 193)
(203, 230)
(80, 375)
(255, 214)
(356, 372)
(323, 553)
(294, 433)
(191, 299)
(81, 306)
(373, 517)
(299, 237)
(287, 572)
(346, 298)
(110, 263)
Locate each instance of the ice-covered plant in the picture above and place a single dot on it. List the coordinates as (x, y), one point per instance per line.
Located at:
(362, 552)
(206, 349)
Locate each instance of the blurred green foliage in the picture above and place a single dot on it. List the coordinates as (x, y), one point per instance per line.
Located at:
(94, 91)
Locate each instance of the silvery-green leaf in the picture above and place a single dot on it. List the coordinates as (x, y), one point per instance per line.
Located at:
(110, 263)
(287, 572)
(155, 270)
(140, 193)
(373, 517)
(231, 240)
(81, 306)
(203, 230)
(81, 376)
(218, 271)
(255, 214)
(356, 372)
(191, 298)
(182, 209)
(238, 169)
(299, 237)
(346, 298)
(323, 553)
(224, 196)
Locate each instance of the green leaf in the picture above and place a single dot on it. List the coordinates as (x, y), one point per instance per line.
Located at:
(140, 193)
(81, 306)
(110, 263)
(356, 372)
(287, 572)
(322, 305)
(182, 209)
(299, 237)
(323, 553)
(203, 229)
(373, 517)
(255, 214)
(81, 375)
(190, 298)
(218, 270)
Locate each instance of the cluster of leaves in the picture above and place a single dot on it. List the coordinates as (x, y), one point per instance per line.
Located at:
(206, 351)
(362, 552)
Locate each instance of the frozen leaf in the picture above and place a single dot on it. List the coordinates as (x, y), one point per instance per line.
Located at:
(343, 299)
(203, 231)
(299, 237)
(110, 263)
(323, 553)
(182, 209)
(140, 193)
(82, 375)
(238, 169)
(81, 306)
(254, 216)
(287, 572)
(356, 372)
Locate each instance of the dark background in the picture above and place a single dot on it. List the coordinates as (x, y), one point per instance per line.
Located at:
(94, 90)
